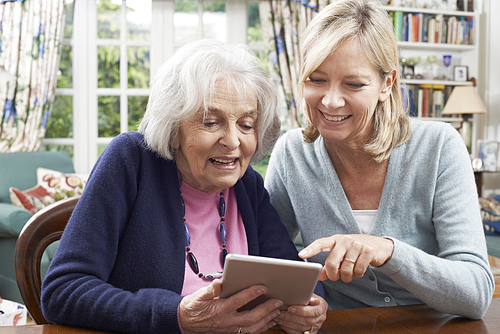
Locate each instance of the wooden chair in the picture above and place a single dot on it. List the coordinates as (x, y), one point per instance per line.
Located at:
(45, 227)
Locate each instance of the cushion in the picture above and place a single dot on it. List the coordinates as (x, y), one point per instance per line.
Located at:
(51, 186)
(12, 220)
(61, 185)
(18, 169)
(32, 199)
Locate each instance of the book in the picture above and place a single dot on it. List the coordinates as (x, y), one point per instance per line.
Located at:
(460, 4)
(460, 30)
(437, 100)
(420, 27)
(414, 28)
(425, 28)
(439, 28)
(410, 27)
(470, 5)
(404, 33)
(412, 100)
(471, 30)
(398, 25)
(420, 101)
(432, 31)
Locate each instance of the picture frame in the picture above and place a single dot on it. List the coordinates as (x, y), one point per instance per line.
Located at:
(488, 153)
(460, 73)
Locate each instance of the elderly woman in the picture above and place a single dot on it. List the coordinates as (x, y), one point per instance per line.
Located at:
(163, 206)
(386, 203)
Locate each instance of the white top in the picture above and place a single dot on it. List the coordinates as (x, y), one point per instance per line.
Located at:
(365, 219)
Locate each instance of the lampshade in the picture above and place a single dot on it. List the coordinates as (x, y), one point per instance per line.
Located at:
(464, 100)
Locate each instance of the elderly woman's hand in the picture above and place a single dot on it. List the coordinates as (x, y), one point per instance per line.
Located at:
(350, 254)
(300, 319)
(203, 312)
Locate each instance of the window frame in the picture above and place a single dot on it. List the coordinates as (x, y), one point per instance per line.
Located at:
(85, 92)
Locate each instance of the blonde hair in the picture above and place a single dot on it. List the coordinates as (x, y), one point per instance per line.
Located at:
(367, 21)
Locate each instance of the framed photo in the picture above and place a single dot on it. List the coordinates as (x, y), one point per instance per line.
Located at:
(460, 73)
(488, 153)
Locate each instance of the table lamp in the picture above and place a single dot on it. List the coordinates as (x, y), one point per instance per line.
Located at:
(466, 101)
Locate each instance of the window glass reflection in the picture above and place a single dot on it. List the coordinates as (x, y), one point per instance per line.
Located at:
(138, 67)
(138, 19)
(65, 73)
(108, 67)
(136, 109)
(60, 124)
(108, 18)
(214, 20)
(68, 24)
(108, 118)
(186, 21)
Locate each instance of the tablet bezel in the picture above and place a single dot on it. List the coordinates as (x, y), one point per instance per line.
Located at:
(292, 282)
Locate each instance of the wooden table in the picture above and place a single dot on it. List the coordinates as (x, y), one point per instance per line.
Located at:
(396, 319)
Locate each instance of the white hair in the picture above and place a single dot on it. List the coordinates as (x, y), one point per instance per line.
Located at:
(185, 84)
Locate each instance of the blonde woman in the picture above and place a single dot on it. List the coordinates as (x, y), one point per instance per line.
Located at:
(387, 204)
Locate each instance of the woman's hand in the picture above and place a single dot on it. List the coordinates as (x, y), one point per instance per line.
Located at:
(299, 319)
(350, 254)
(203, 312)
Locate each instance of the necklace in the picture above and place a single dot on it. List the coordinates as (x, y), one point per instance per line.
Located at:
(193, 262)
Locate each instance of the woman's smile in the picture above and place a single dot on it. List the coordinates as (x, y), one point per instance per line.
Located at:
(228, 162)
(335, 118)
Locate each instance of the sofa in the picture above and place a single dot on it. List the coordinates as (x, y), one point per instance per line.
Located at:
(18, 170)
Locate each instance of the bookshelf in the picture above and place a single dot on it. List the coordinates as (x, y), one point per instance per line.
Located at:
(424, 37)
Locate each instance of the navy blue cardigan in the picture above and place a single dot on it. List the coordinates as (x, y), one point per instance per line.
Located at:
(120, 263)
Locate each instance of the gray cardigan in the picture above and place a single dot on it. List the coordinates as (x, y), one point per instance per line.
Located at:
(429, 207)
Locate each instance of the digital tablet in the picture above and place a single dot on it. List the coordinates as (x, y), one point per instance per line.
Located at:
(292, 282)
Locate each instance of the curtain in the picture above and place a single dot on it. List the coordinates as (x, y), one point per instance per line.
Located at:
(283, 22)
(30, 48)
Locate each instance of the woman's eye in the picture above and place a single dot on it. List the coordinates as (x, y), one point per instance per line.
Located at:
(315, 80)
(209, 123)
(356, 85)
(247, 127)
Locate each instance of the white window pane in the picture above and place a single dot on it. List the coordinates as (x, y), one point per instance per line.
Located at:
(108, 18)
(186, 21)
(138, 19)
(108, 121)
(138, 67)
(108, 67)
(214, 20)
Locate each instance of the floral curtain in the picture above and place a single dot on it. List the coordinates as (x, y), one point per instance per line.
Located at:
(282, 24)
(30, 49)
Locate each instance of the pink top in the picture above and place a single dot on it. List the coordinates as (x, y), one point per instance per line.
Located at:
(203, 220)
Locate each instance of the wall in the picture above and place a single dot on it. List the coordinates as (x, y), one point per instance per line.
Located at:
(491, 10)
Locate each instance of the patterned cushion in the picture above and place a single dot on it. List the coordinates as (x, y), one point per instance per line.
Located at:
(61, 185)
(32, 199)
(51, 186)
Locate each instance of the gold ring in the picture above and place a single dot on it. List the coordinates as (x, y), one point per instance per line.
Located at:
(240, 331)
(349, 260)
(309, 331)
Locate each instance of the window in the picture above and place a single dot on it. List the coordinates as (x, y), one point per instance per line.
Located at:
(112, 48)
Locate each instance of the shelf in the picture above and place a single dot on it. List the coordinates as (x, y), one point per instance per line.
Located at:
(436, 82)
(435, 46)
(442, 119)
(430, 11)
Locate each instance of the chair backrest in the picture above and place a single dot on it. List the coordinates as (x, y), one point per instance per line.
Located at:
(43, 228)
